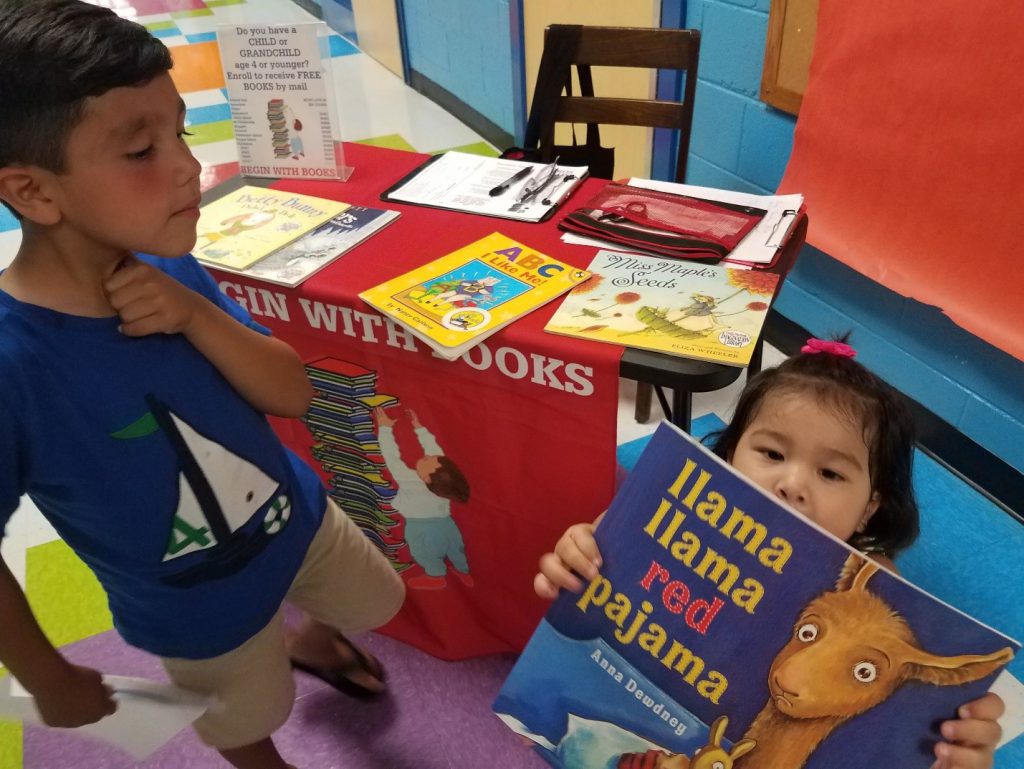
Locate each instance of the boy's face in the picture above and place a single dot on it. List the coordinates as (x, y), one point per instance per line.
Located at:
(130, 182)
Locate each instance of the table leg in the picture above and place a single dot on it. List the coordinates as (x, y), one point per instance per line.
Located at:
(642, 409)
(755, 359)
(682, 409)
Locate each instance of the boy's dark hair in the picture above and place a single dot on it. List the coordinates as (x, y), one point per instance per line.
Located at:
(448, 482)
(53, 55)
(853, 391)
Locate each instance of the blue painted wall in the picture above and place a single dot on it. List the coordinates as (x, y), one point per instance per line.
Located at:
(466, 47)
(740, 143)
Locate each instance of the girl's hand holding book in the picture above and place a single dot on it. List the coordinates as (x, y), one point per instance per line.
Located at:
(576, 555)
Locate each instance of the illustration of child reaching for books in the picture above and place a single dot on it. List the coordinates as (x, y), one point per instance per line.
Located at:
(295, 139)
(424, 498)
(832, 440)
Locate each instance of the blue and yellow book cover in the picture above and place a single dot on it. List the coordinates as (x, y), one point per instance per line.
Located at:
(456, 301)
(728, 632)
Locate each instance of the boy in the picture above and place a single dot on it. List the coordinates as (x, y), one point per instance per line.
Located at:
(132, 396)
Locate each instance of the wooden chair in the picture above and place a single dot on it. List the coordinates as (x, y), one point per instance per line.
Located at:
(567, 46)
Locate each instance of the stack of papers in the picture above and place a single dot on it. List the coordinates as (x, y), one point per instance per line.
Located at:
(758, 249)
(508, 189)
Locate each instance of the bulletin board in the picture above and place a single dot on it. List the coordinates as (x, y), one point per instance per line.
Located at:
(787, 56)
(908, 154)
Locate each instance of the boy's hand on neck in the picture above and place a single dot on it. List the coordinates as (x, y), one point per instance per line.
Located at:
(149, 301)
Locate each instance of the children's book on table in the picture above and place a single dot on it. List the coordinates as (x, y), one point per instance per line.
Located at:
(455, 302)
(674, 306)
(724, 622)
(246, 225)
(303, 258)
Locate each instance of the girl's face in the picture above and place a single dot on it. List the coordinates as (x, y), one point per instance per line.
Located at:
(811, 457)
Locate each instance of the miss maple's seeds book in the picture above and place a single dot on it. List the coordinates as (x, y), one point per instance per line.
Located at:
(669, 305)
(724, 622)
(455, 302)
(246, 225)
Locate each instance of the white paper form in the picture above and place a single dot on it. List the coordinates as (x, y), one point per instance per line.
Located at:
(462, 182)
(148, 713)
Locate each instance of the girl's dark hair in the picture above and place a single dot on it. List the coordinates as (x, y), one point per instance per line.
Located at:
(448, 482)
(852, 390)
(53, 55)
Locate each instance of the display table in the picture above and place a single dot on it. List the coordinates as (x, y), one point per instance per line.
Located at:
(527, 418)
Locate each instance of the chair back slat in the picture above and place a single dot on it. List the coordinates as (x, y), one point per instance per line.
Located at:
(636, 112)
(636, 47)
(675, 49)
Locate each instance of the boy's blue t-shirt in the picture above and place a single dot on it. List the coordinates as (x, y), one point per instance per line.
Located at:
(164, 480)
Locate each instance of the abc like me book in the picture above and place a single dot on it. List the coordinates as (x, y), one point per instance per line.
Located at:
(244, 226)
(724, 623)
(672, 306)
(455, 302)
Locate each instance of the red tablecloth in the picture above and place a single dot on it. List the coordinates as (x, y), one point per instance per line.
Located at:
(527, 417)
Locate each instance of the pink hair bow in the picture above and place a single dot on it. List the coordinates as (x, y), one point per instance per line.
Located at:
(814, 346)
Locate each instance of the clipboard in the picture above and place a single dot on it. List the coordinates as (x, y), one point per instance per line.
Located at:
(458, 181)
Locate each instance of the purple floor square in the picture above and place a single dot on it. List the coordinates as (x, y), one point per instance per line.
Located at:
(437, 716)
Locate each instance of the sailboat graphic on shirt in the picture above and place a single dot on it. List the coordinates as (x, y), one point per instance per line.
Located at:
(219, 497)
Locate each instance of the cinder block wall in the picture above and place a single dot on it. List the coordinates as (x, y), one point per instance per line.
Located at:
(739, 143)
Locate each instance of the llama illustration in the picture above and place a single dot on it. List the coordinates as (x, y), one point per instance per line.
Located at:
(710, 756)
(849, 651)
(713, 755)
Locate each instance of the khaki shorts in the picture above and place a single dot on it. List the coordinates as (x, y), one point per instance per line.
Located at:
(344, 582)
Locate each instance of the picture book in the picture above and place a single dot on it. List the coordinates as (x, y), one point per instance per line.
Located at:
(292, 264)
(455, 302)
(722, 621)
(672, 306)
(246, 225)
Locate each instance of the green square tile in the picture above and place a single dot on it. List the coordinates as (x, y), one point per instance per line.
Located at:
(221, 3)
(478, 148)
(393, 141)
(204, 133)
(156, 26)
(11, 755)
(193, 13)
(65, 596)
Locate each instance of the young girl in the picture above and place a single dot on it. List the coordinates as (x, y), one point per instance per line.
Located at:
(828, 437)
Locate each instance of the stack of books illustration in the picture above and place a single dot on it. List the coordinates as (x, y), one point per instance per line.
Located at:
(279, 128)
(346, 447)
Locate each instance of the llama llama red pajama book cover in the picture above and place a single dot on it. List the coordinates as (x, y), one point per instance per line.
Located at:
(727, 632)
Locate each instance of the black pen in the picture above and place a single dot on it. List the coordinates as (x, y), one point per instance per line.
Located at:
(503, 187)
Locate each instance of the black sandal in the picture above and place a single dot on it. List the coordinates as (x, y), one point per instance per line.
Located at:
(339, 677)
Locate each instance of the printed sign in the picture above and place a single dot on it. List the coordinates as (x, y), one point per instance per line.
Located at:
(281, 97)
